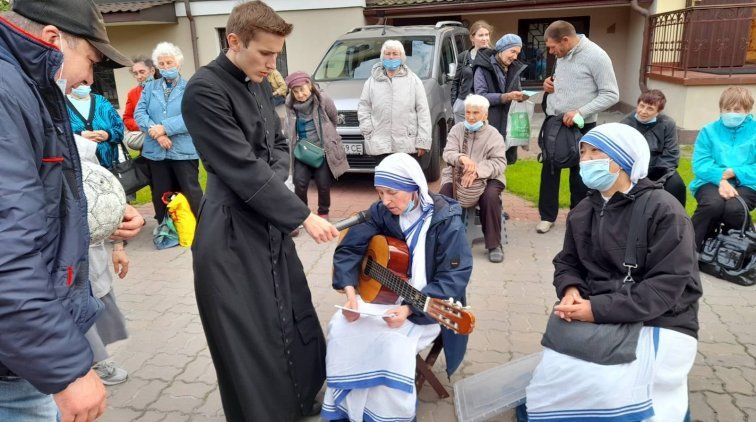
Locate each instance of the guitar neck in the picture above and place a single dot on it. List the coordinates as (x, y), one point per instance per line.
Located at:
(395, 283)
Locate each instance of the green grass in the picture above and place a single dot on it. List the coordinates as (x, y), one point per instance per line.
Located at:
(524, 177)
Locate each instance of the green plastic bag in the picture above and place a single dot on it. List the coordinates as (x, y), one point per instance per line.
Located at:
(518, 123)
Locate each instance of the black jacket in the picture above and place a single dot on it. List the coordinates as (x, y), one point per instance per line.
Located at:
(463, 78)
(668, 286)
(497, 113)
(662, 140)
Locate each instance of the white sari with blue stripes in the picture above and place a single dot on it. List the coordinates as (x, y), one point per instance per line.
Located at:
(651, 388)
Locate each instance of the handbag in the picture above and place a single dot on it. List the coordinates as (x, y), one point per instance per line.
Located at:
(309, 153)
(604, 344)
(130, 172)
(467, 196)
(134, 140)
(166, 235)
(731, 256)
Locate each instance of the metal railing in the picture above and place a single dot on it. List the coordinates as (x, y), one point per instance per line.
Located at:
(709, 39)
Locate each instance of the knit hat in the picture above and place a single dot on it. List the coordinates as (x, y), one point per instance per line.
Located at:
(508, 41)
(297, 79)
(624, 145)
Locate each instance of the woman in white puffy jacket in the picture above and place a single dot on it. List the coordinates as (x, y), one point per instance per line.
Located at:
(393, 109)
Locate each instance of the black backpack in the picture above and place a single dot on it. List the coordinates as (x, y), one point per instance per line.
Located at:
(559, 144)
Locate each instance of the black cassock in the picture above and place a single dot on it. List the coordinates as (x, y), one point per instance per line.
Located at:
(254, 302)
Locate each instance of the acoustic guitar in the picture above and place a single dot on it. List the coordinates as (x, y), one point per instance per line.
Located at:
(384, 278)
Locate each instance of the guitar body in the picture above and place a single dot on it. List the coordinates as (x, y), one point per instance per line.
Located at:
(388, 252)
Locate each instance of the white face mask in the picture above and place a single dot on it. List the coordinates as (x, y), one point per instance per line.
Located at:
(62, 83)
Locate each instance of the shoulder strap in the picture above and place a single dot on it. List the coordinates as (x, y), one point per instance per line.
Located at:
(636, 232)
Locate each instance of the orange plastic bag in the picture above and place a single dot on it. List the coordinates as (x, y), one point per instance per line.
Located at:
(182, 216)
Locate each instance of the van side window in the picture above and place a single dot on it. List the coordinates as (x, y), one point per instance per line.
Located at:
(447, 57)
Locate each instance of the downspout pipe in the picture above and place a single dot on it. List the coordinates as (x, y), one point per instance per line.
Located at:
(193, 31)
(645, 47)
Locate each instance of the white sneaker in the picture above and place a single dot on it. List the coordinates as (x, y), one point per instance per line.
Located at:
(544, 226)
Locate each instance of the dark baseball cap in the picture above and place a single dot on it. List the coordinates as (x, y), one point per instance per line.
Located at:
(80, 18)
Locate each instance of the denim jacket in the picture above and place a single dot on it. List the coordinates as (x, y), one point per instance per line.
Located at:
(154, 109)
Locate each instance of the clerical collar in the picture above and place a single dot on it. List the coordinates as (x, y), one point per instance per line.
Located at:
(227, 65)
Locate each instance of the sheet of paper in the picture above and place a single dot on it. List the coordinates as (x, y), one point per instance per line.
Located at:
(375, 314)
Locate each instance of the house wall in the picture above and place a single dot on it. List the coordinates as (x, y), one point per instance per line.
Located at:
(615, 29)
(662, 6)
(692, 107)
(314, 32)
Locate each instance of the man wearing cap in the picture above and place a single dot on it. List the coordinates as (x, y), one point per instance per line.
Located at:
(497, 78)
(253, 298)
(582, 85)
(46, 304)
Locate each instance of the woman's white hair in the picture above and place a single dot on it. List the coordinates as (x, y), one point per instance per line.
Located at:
(393, 45)
(167, 49)
(478, 101)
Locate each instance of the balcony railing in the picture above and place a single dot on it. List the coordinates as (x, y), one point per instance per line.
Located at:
(704, 39)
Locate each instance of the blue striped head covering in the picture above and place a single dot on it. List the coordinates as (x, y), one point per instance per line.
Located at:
(402, 172)
(624, 145)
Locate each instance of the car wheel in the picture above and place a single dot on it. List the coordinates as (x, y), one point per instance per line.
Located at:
(433, 170)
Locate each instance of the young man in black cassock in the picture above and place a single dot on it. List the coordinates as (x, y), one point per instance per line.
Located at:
(264, 335)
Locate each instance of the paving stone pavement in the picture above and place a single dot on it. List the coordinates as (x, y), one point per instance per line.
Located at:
(171, 377)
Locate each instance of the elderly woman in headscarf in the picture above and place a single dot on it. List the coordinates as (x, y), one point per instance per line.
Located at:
(593, 284)
(370, 363)
(393, 108)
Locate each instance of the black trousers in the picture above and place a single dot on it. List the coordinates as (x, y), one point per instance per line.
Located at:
(323, 178)
(713, 210)
(674, 184)
(175, 176)
(548, 195)
(490, 210)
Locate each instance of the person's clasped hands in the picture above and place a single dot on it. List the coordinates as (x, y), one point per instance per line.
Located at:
(470, 171)
(573, 306)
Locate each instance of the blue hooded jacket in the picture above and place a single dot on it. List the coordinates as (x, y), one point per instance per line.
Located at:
(46, 302)
(448, 262)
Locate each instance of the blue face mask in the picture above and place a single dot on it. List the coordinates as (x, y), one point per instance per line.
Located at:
(733, 119)
(81, 91)
(392, 64)
(146, 81)
(410, 207)
(647, 122)
(170, 73)
(473, 127)
(596, 174)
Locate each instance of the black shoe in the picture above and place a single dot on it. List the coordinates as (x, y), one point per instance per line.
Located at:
(505, 214)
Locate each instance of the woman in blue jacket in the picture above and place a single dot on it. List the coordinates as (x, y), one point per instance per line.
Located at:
(724, 163)
(168, 148)
(370, 361)
(94, 118)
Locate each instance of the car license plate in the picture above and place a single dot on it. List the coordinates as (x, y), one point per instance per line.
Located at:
(353, 149)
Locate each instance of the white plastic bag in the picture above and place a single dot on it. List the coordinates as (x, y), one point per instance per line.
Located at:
(518, 123)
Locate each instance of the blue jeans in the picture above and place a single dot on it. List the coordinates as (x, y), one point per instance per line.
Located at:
(21, 402)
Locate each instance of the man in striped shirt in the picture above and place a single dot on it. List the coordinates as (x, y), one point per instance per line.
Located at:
(582, 85)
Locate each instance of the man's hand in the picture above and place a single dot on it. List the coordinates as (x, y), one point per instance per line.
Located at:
(568, 117)
(319, 229)
(726, 190)
(130, 226)
(120, 262)
(573, 306)
(83, 400)
(421, 152)
(468, 163)
(397, 316)
(165, 142)
(548, 85)
(156, 131)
